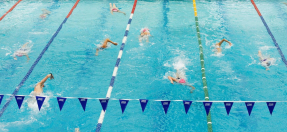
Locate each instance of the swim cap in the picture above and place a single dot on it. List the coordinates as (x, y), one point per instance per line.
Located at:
(182, 81)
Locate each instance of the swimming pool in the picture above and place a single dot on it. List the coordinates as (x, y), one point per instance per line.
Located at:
(236, 75)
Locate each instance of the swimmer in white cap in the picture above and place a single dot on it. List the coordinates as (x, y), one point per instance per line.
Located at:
(23, 51)
(265, 61)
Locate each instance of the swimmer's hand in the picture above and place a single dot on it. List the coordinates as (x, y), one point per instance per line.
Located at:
(267, 69)
(51, 76)
(15, 58)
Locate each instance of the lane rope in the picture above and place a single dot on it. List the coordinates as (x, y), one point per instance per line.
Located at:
(270, 33)
(102, 116)
(206, 97)
(10, 9)
(36, 62)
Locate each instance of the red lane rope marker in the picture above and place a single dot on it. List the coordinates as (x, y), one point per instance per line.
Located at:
(71, 11)
(253, 3)
(10, 9)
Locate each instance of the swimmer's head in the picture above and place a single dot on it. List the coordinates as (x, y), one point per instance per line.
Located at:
(145, 30)
(268, 63)
(43, 16)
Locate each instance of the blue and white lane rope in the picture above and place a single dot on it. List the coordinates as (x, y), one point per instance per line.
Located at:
(102, 116)
(36, 62)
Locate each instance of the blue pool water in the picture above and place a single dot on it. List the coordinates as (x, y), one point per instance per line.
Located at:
(236, 75)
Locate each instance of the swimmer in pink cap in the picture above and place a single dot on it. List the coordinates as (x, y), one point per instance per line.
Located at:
(144, 35)
(45, 13)
(180, 80)
(23, 51)
(115, 9)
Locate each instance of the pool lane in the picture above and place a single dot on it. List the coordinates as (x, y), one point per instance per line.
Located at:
(36, 62)
(102, 116)
(270, 33)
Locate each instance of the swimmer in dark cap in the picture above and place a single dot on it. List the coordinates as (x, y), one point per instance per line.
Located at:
(105, 45)
(39, 86)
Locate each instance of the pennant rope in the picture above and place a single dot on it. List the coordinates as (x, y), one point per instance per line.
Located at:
(102, 116)
(36, 61)
(157, 100)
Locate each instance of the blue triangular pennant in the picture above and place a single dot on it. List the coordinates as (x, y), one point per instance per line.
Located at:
(40, 101)
(207, 106)
(83, 102)
(1, 97)
(187, 105)
(271, 106)
(124, 104)
(104, 103)
(143, 103)
(165, 105)
(19, 100)
(228, 106)
(61, 102)
(249, 106)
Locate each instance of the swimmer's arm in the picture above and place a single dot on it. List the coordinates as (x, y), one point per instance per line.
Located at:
(27, 57)
(25, 45)
(45, 79)
(121, 12)
(111, 11)
(14, 56)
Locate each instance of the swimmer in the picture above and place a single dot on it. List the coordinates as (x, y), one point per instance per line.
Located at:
(179, 79)
(24, 50)
(77, 129)
(217, 46)
(144, 34)
(39, 86)
(105, 45)
(45, 13)
(115, 9)
(265, 62)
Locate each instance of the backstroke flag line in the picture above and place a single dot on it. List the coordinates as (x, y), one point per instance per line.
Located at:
(271, 106)
(249, 106)
(123, 104)
(61, 102)
(83, 102)
(165, 105)
(40, 101)
(104, 103)
(228, 106)
(19, 100)
(187, 105)
(207, 106)
(143, 102)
